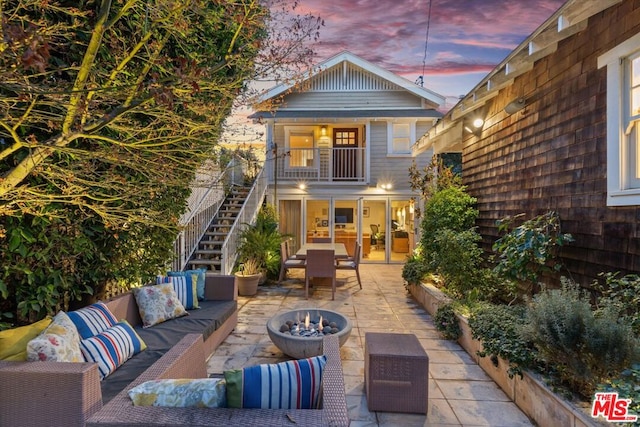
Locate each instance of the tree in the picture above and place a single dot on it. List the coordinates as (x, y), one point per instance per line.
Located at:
(107, 108)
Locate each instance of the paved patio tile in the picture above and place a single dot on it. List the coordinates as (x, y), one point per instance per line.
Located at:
(460, 393)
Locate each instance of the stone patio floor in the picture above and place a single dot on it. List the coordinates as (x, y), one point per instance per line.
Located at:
(460, 393)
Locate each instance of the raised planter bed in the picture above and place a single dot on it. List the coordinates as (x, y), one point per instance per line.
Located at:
(531, 395)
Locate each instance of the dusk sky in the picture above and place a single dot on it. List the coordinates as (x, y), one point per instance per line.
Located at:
(467, 38)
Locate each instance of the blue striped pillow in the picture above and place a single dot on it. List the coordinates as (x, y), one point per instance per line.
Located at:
(296, 384)
(111, 348)
(185, 287)
(201, 274)
(92, 320)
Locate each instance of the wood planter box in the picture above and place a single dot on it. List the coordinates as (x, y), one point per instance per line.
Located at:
(531, 395)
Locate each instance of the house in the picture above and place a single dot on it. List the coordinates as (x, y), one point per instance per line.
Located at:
(338, 153)
(556, 126)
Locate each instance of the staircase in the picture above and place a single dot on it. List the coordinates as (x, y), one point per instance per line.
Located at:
(209, 253)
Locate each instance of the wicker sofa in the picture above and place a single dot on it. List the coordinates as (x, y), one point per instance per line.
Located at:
(191, 364)
(68, 394)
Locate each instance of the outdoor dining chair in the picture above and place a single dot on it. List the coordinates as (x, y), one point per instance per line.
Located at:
(320, 263)
(286, 262)
(352, 263)
(321, 240)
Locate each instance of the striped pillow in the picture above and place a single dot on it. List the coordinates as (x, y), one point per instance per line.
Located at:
(295, 384)
(92, 320)
(111, 348)
(201, 274)
(186, 288)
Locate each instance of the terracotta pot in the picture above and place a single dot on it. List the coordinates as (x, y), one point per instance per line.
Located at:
(247, 285)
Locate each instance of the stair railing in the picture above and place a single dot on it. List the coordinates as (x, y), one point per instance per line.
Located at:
(203, 203)
(247, 215)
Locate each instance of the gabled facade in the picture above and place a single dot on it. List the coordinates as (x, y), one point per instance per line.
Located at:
(338, 154)
(560, 131)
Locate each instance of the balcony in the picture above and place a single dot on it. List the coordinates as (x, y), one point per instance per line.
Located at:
(347, 165)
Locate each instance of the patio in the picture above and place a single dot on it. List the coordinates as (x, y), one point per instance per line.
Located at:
(460, 393)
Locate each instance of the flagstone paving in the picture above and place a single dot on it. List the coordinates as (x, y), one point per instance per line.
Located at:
(460, 393)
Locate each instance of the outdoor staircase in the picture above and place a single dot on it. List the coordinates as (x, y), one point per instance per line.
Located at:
(209, 252)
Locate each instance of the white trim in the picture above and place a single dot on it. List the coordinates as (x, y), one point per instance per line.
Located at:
(617, 168)
(390, 137)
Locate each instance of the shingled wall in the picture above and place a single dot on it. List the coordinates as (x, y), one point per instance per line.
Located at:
(552, 154)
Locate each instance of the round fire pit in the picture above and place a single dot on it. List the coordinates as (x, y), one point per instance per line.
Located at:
(301, 347)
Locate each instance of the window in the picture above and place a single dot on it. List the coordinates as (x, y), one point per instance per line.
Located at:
(623, 122)
(401, 136)
(301, 148)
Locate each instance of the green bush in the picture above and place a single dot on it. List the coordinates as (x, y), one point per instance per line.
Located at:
(499, 328)
(447, 322)
(261, 241)
(621, 294)
(531, 248)
(414, 268)
(584, 348)
(449, 208)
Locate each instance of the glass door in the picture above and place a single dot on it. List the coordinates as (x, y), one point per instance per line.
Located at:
(318, 221)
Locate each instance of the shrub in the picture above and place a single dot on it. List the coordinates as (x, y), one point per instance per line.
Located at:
(531, 248)
(449, 208)
(621, 294)
(414, 269)
(584, 348)
(499, 328)
(627, 384)
(447, 322)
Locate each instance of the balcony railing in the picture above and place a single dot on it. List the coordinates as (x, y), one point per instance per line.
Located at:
(320, 164)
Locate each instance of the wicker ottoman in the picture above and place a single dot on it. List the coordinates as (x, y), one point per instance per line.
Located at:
(396, 372)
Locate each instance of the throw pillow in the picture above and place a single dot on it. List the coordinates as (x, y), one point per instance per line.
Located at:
(13, 342)
(200, 272)
(185, 287)
(295, 384)
(113, 347)
(182, 393)
(158, 303)
(93, 319)
(60, 342)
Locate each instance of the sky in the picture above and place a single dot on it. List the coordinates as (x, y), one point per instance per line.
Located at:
(467, 38)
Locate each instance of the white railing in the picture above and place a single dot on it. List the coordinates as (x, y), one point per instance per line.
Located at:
(320, 164)
(207, 195)
(247, 215)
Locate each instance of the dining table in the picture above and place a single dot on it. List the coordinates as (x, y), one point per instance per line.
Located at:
(339, 249)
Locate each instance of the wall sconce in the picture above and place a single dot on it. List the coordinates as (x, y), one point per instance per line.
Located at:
(323, 130)
(475, 127)
(515, 106)
(302, 186)
(385, 185)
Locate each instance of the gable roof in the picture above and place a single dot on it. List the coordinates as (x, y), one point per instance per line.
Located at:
(349, 57)
(571, 18)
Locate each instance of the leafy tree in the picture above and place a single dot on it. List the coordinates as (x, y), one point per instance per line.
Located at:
(107, 109)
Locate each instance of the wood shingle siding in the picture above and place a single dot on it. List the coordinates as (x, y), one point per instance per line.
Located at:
(552, 155)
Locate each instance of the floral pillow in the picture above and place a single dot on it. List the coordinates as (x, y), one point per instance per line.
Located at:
(182, 393)
(59, 342)
(93, 319)
(185, 287)
(158, 303)
(296, 384)
(111, 348)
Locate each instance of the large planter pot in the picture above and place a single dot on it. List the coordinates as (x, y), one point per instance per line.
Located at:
(247, 285)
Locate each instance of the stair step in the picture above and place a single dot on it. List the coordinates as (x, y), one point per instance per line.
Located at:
(205, 262)
(207, 252)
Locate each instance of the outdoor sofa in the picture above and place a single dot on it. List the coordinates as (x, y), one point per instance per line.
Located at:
(69, 394)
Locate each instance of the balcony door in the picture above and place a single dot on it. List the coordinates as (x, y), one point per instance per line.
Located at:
(345, 151)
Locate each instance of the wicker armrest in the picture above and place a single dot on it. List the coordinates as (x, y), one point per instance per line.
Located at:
(220, 287)
(39, 393)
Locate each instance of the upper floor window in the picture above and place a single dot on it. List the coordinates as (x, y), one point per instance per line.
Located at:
(623, 122)
(301, 147)
(401, 136)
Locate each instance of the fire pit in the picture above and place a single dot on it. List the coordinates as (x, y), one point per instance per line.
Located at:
(301, 337)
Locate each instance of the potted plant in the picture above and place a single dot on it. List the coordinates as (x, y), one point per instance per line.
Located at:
(248, 276)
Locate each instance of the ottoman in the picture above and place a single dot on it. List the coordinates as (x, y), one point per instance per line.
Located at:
(396, 371)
